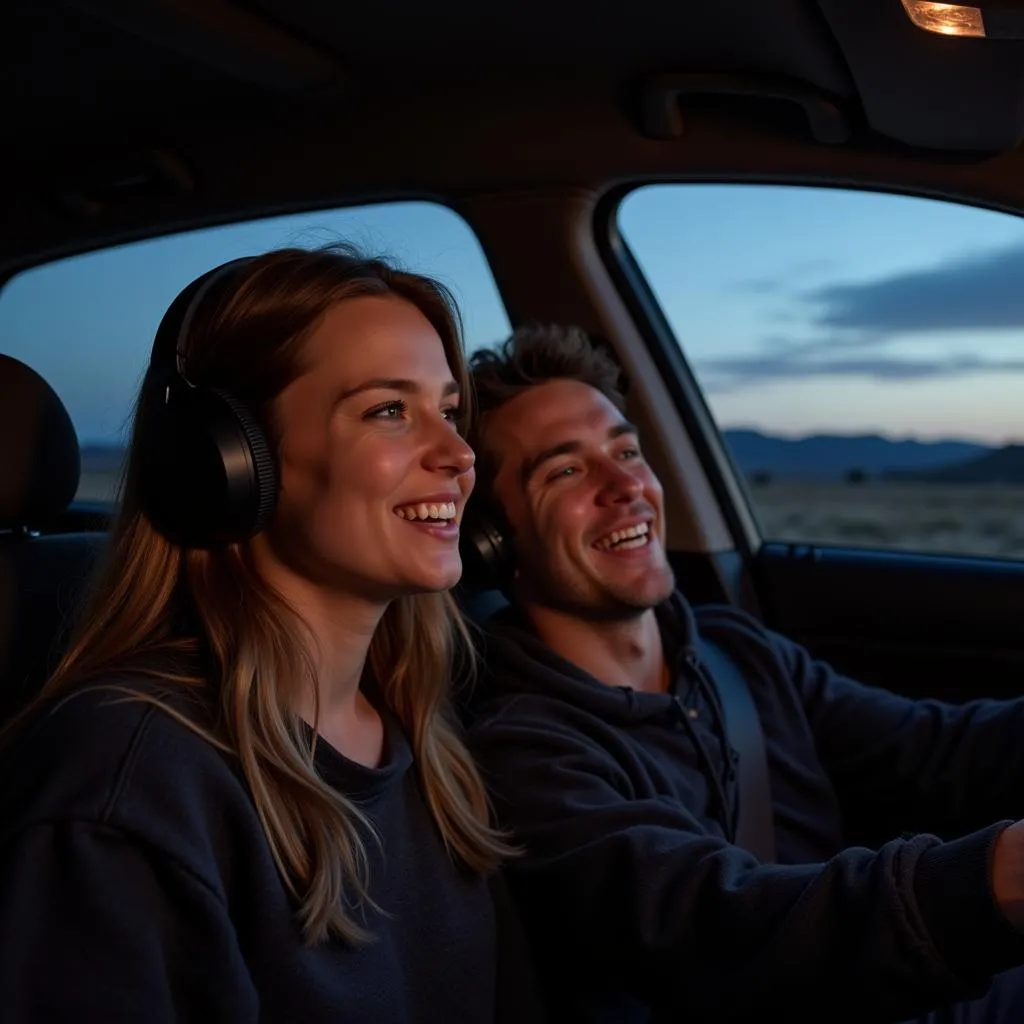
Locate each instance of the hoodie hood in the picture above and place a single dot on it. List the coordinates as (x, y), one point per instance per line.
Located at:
(519, 662)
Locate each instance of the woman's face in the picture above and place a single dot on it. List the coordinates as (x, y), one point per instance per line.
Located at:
(374, 475)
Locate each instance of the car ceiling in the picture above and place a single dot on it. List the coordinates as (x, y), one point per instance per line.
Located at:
(129, 117)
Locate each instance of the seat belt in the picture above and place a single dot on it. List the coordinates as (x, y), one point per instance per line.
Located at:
(755, 827)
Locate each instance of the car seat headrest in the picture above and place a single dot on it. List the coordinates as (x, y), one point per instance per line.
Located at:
(40, 463)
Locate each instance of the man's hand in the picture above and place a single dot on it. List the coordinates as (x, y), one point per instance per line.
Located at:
(1008, 874)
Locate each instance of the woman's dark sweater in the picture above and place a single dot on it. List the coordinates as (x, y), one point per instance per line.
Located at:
(137, 884)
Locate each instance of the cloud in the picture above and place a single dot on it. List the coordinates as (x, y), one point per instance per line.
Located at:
(759, 285)
(782, 282)
(980, 291)
(854, 322)
(723, 375)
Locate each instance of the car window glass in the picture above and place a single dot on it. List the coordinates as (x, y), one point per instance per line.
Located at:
(87, 323)
(862, 353)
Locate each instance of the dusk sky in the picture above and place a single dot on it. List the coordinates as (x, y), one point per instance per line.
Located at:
(87, 323)
(806, 310)
(802, 310)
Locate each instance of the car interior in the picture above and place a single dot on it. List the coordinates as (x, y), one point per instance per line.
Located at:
(133, 121)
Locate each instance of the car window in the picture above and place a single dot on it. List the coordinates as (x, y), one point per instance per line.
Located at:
(862, 354)
(86, 323)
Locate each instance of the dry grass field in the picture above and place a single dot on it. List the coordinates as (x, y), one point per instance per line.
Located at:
(968, 519)
(971, 520)
(97, 485)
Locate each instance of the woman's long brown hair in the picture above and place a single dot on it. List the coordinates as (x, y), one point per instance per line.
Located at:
(251, 342)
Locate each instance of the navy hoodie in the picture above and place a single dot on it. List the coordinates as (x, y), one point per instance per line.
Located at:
(625, 803)
(137, 885)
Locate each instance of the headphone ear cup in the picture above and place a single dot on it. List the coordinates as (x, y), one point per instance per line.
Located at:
(259, 488)
(485, 546)
(210, 477)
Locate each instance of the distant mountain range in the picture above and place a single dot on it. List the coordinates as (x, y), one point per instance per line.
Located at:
(999, 466)
(100, 458)
(818, 457)
(827, 457)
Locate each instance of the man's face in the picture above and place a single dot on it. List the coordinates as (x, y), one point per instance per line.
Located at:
(585, 509)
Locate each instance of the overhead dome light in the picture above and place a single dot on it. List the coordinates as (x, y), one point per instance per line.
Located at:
(946, 19)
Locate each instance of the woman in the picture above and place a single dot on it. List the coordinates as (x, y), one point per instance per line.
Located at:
(241, 796)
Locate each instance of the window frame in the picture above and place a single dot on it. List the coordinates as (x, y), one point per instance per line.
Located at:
(728, 483)
(93, 514)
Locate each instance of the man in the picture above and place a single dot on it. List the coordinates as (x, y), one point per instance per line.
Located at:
(602, 731)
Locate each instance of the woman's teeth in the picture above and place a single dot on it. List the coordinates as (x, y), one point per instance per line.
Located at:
(630, 537)
(443, 511)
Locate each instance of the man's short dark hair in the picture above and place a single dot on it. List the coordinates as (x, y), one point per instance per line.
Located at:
(534, 355)
(540, 353)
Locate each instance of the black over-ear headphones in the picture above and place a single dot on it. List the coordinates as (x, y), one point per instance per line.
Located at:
(208, 474)
(485, 546)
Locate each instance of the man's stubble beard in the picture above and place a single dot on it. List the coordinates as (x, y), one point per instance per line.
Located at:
(606, 604)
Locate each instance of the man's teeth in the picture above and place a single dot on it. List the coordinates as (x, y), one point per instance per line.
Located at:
(623, 540)
(444, 510)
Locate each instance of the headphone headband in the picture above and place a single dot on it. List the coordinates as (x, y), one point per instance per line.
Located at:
(176, 324)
